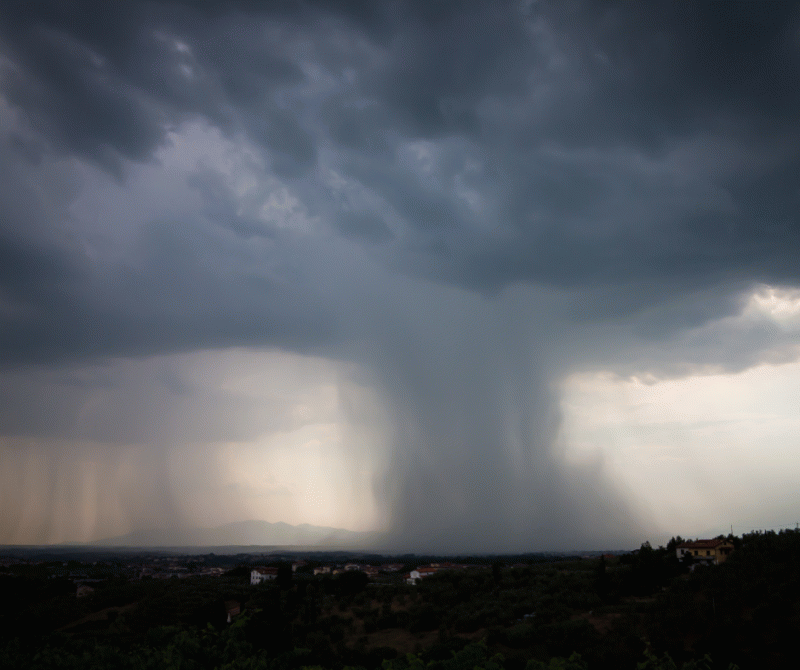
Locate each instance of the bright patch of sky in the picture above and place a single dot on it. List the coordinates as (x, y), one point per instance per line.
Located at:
(701, 452)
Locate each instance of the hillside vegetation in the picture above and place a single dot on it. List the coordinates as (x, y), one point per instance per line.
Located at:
(644, 609)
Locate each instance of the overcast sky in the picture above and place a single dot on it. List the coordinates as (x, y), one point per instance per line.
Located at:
(478, 275)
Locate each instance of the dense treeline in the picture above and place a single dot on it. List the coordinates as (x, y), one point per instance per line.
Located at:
(622, 612)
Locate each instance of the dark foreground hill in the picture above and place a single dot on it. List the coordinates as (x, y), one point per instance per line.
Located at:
(575, 614)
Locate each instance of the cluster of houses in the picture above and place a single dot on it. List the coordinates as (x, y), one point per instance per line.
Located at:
(263, 574)
(702, 552)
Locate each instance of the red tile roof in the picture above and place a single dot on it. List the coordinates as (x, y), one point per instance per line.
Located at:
(702, 544)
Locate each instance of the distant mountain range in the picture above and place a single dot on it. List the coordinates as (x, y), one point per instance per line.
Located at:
(245, 533)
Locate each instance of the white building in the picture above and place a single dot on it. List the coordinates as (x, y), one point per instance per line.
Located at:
(420, 573)
(258, 575)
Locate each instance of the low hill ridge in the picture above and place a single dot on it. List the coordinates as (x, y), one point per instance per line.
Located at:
(242, 533)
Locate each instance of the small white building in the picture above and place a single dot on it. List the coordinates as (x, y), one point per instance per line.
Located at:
(258, 575)
(420, 573)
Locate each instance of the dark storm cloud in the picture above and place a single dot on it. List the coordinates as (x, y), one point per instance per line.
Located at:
(605, 77)
(402, 190)
(109, 80)
(69, 91)
(655, 71)
(27, 271)
(565, 120)
(491, 195)
(174, 301)
(363, 225)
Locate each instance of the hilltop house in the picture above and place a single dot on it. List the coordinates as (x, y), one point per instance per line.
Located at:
(711, 552)
(420, 573)
(258, 575)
